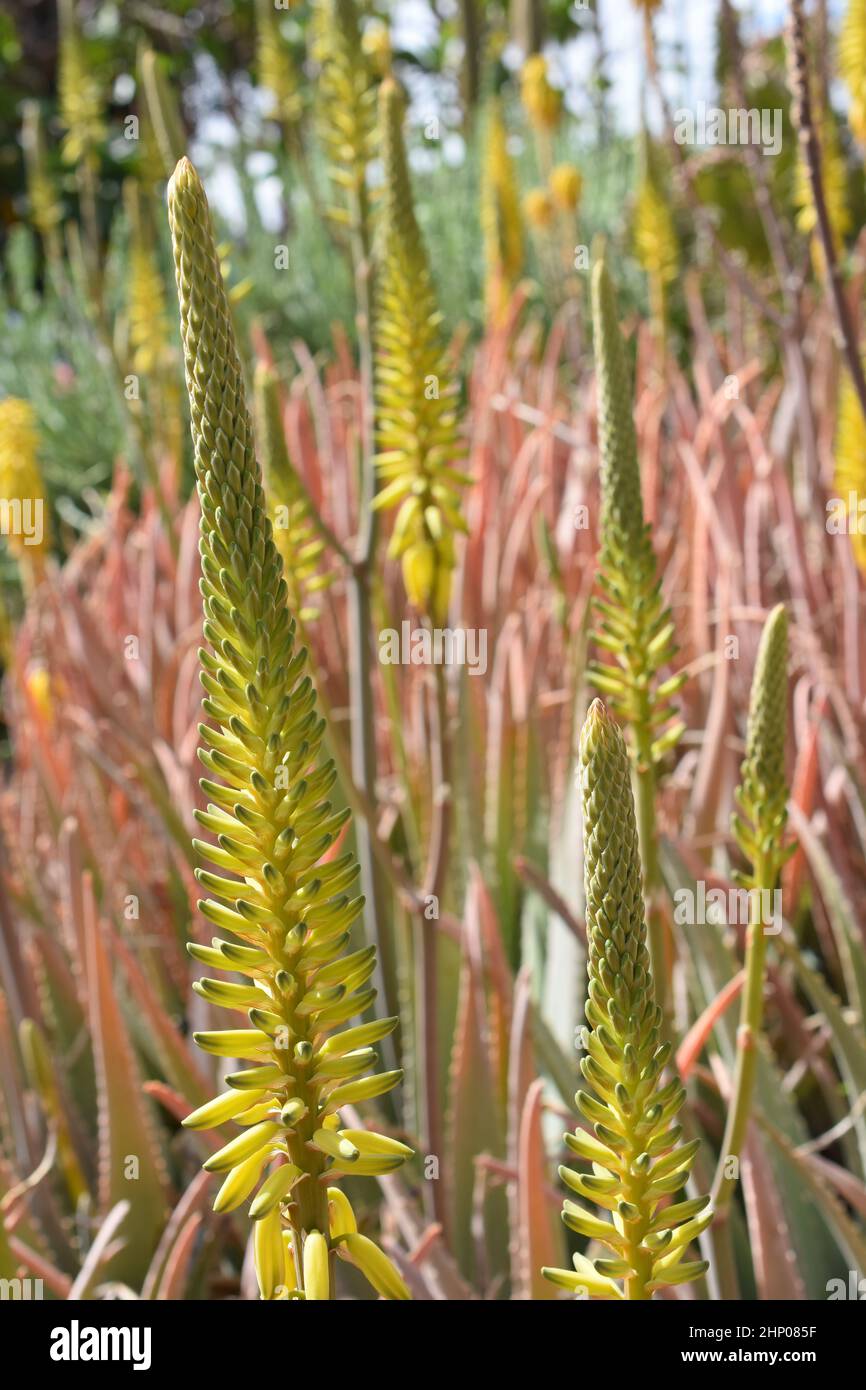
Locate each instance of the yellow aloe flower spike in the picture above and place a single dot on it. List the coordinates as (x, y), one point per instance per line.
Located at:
(284, 914)
(852, 64)
(276, 67)
(22, 489)
(289, 506)
(500, 216)
(635, 1152)
(415, 411)
(850, 453)
(81, 104)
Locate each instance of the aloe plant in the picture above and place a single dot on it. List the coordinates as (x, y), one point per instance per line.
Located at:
(635, 1150)
(290, 913)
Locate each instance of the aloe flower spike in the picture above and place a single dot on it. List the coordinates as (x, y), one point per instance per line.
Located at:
(636, 1155)
(272, 823)
(633, 625)
(417, 430)
(759, 831)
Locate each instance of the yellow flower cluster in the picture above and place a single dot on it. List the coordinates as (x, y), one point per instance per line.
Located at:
(541, 102)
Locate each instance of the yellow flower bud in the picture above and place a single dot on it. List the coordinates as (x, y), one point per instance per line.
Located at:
(541, 102)
(317, 1276)
(566, 186)
(538, 208)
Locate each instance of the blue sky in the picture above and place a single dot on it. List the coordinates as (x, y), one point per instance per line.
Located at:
(689, 22)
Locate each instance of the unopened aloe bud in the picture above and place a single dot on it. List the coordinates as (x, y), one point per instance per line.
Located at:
(633, 625)
(763, 790)
(762, 796)
(271, 824)
(415, 411)
(635, 1153)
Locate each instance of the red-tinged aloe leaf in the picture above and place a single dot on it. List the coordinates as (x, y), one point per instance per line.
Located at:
(804, 788)
(14, 1130)
(24, 1219)
(521, 1065)
(521, 1074)
(173, 1282)
(500, 814)
(540, 1239)
(72, 904)
(846, 933)
(54, 1278)
(695, 1039)
(427, 1249)
(847, 1042)
(181, 1070)
(709, 780)
(474, 1125)
(103, 1255)
(131, 1169)
(774, 1257)
(485, 926)
(845, 1183)
(8, 1258)
(849, 1234)
(190, 1204)
(64, 1018)
(709, 964)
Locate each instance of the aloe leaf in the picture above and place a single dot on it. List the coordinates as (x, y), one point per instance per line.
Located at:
(131, 1169)
(850, 1237)
(538, 1235)
(710, 965)
(166, 1041)
(839, 910)
(774, 1257)
(848, 1046)
(475, 1127)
